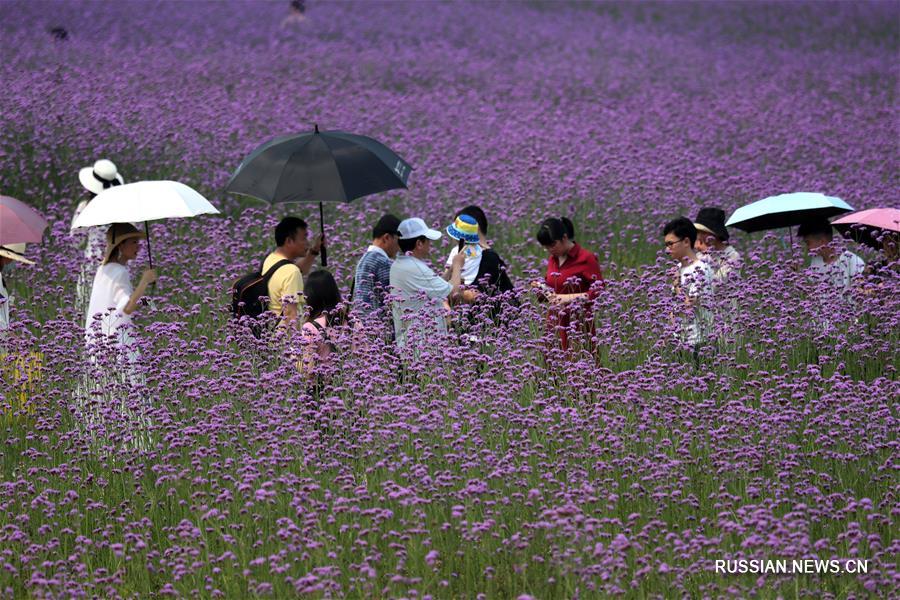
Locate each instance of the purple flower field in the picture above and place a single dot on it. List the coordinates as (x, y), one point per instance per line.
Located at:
(497, 467)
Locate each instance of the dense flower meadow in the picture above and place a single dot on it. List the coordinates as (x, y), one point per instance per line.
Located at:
(492, 465)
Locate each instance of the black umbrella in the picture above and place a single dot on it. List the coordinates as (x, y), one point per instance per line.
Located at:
(331, 166)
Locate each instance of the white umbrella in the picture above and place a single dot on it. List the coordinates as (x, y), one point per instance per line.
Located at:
(786, 210)
(143, 201)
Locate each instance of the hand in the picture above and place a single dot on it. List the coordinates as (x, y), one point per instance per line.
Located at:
(316, 247)
(469, 296)
(541, 290)
(148, 277)
(458, 260)
(557, 299)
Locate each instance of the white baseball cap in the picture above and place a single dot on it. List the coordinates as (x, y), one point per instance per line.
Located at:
(413, 228)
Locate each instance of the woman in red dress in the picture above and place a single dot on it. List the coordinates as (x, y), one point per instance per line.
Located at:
(572, 282)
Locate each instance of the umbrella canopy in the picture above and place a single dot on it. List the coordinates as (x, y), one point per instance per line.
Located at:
(868, 226)
(331, 166)
(19, 223)
(786, 210)
(328, 166)
(143, 201)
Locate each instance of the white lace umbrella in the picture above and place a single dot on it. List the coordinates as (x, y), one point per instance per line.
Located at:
(144, 201)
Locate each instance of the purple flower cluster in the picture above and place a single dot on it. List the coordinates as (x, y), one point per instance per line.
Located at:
(494, 464)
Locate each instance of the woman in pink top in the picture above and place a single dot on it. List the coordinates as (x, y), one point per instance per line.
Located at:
(322, 300)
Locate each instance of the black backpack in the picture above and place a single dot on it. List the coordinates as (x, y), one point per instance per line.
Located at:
(248, 292)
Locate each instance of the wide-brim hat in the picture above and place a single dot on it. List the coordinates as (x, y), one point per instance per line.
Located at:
(712, 220)
(118, 233)
(464, 228)
(15, 252)
(102, 175)
(415, 228)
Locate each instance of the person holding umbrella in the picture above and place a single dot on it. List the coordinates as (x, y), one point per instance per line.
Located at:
(10, 255)
(285, 284)
(878, 228)
(838, 270)
(113, 299)
(100, 176)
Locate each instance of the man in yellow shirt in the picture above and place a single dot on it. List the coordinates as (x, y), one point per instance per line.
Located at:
(286, 284)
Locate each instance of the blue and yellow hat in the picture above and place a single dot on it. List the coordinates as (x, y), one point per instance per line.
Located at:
(465, 228)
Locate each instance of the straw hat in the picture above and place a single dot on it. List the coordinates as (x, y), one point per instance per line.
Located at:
(15, 252)
(118, 233)
(102, 175)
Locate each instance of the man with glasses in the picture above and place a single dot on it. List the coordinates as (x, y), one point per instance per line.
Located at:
(693, 282)
(373, 271)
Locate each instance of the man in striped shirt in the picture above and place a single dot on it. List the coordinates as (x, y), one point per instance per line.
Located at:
(373, 272)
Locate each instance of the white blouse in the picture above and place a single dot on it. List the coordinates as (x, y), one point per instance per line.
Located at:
(110, 294)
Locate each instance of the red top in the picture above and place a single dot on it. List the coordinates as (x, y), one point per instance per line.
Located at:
(576, 276)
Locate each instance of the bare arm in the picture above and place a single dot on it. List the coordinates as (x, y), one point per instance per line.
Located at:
(456, 274)
(289, 313)
(147, 278)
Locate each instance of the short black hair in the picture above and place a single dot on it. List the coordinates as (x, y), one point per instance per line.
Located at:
(322, 295)
(683, 228)
(409, 244)
(287, 228)
(476, 213)
(386, 224)
(553, 229)
(816, 228)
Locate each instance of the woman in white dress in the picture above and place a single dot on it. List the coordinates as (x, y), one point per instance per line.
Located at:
(113, 299)
(102, 175)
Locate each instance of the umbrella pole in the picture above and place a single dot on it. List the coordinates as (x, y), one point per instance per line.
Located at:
(324, 253)
(793, 258)
(149, 253)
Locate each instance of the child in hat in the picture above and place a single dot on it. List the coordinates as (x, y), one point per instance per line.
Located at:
(484, 272)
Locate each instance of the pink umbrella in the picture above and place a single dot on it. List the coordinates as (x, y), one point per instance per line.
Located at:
(869, 226)
(19, 223)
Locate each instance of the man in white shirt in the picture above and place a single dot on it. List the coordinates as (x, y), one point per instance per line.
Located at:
(420, 298)
(838, 270)
(694, 281)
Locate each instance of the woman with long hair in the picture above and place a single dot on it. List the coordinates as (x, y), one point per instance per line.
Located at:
(323, 299)
(572, 280)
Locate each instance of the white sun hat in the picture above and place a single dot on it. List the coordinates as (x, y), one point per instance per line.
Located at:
(102, 175)
(414, 228)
